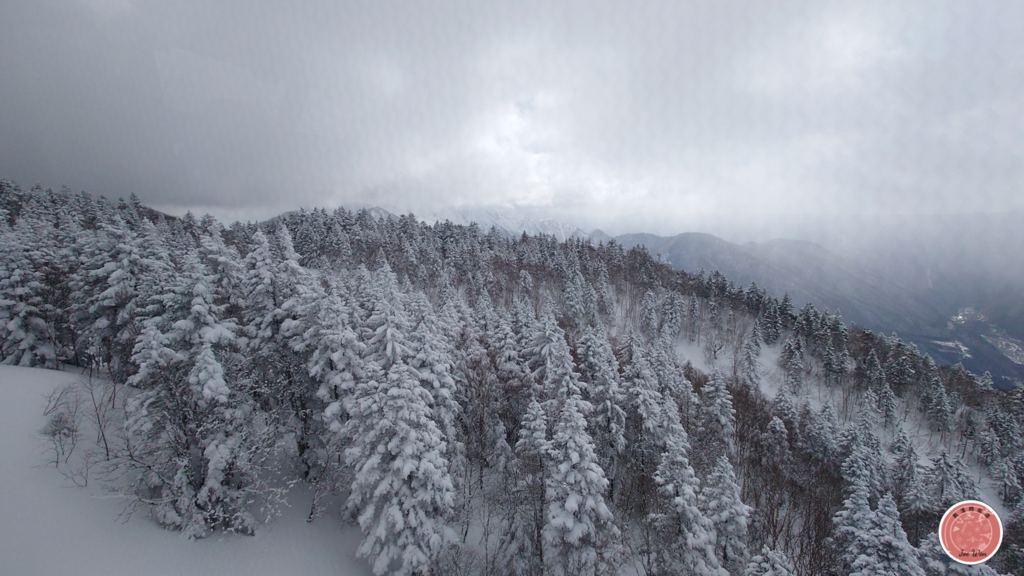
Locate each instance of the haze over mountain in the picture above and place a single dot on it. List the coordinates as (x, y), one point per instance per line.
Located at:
(911, 275)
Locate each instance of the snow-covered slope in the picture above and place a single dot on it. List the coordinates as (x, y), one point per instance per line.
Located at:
(49, 528)
(811, 273)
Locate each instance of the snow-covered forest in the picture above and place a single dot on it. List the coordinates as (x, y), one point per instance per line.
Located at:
(480, 404)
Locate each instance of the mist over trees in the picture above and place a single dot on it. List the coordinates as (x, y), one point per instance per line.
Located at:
(484, 404)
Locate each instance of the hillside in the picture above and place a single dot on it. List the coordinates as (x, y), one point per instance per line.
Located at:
(867, 296)
(483, 404)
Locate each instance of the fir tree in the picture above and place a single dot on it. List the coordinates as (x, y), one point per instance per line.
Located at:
(821, 435)
(579, 523)
(720, 415)
(192, 440)
(949, 481)
(720, 501)
(887, 405)
(525, 543)
(402, 493)
(749, 369)
(689, 536)
(552, 365)
(599, 369)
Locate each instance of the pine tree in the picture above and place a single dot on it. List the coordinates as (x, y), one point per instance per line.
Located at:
(649, 323)
(834, 364)
(989, 446)
(278, 309)
(949, 481)
(771, 323)
(786, 311)
(106, 289)
(784, 409)
(27, 328)
(864, 463)
(873, 372)
(1006, 481)
(938, 408)
(434, 364)
(514, 377)
(854, 524)
(645, 422)
(935, 562)
(334, 362)
(898, 369)
(673, 316)
(771, 482)
(693, 323)
(905, 468)
(792, 362)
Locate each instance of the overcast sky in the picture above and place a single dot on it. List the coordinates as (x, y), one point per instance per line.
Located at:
(628, 116)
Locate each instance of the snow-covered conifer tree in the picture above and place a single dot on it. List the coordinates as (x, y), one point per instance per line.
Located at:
(552, 365)
(194, 450)
(872, 541)
(935, 562)
(749, 369)
(864, 463)
(579, 524)
(689, 539)
(770, 562)
(821, 435)
(720, 416)
(27, 328)
(334, 362)
(873, 372)
(721, 503)
(524, 544)
(649, 322)
(1006, 481)
(599, 370)
(949, 481)
(402, 493)
(433, 362)
(887, 405)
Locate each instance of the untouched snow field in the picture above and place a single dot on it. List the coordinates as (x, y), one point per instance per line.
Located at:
(50, 527)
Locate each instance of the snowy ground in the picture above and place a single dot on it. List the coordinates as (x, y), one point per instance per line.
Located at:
(48, 527)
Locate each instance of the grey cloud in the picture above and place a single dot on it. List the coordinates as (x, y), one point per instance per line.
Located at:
(607, 113)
